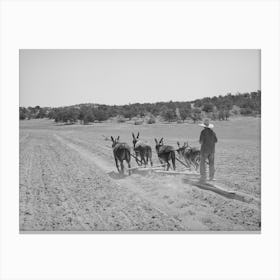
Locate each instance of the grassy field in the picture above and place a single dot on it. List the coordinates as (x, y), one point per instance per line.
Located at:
(68, 180)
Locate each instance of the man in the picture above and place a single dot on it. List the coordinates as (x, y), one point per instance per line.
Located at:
(207, 139)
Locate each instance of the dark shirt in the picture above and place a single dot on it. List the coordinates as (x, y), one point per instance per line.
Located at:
(207, 140)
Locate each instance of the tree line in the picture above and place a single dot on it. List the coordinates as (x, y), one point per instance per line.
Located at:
(217, 108)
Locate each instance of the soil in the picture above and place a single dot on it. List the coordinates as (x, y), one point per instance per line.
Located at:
(69, 182)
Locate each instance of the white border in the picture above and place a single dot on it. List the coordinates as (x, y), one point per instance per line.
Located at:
(155, 24)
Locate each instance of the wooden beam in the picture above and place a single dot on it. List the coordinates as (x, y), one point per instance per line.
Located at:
(145, 168)
(176, 172)
(134, 168)
(160, 165)
(150, 168)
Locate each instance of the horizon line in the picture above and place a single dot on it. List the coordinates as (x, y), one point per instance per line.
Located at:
(146, 102)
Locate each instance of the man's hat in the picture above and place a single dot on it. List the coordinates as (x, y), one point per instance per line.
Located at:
(207, 124)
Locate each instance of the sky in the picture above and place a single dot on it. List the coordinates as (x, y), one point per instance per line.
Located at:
(67, 77)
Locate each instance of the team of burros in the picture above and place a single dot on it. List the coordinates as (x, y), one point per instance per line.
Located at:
(143, 153)
(192, 156)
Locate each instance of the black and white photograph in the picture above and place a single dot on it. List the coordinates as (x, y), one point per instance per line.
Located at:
(140, 140)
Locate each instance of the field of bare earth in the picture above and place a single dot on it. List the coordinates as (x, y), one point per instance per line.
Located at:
(69, 182)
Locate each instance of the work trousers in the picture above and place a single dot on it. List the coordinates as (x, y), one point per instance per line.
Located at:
(210, 157)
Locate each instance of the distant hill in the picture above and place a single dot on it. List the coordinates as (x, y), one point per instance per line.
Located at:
(217, 107)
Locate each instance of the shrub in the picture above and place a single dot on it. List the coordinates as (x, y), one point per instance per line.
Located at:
(151, 120)
(221, 115)
(246, 111)
(138, 122)
(214, 116)
(185, 113)
(120, 119)
(169, 115)
(208, 107)
(226, 114)
(195, 117)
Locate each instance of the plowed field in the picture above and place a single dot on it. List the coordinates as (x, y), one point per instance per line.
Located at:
(69, 182)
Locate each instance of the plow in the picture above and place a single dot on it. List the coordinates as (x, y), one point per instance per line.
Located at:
(190, 177)
(161, 168)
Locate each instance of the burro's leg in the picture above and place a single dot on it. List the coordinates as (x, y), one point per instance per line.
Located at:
(137, 157)
(211, 158)
(122, 167)
(168, 165)
(144, 158)
(129, 166)
(128, 163)
(150, 157)
(117, 165)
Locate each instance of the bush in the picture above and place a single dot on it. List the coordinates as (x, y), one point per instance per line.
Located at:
(120, 119)
(185, 113)
(169, 111)
(195, 117)
(235, 110)
(246, 111)
(151, 120)
(100, 115)
(221, 115)
(22, 116)
(226, 114)
(208, 107)
(88, 118)
(214, 116)
(169, 115)
(66, 115)
(138, 122)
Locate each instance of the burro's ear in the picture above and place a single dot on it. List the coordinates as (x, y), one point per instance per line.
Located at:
(161, 140)
(133, 135)
(156, 141)
(112, 138)
(118, 138)
(138, 135)
(178, 143)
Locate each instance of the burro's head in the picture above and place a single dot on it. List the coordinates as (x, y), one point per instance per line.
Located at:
(115, 141)
(158, 144)
(135, 139)
(182, 149)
